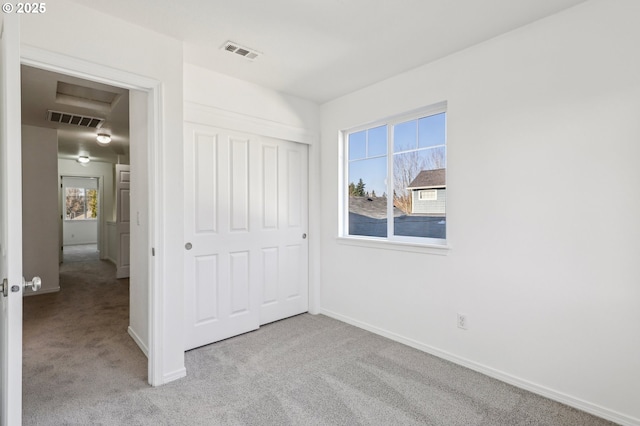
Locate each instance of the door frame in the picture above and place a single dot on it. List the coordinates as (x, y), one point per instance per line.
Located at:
(63, 64)
(100, 219)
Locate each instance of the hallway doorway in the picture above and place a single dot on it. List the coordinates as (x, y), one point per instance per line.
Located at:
(76, 347)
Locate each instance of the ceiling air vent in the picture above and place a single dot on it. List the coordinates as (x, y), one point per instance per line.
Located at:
(74, 119)
(245, 52)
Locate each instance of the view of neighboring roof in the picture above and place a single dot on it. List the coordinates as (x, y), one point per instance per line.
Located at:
(429, 179)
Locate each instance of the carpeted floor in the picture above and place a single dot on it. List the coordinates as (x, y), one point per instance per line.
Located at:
(81, 368)
(80, 253)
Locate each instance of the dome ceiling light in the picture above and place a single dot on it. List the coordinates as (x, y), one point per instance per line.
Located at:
(103, 138)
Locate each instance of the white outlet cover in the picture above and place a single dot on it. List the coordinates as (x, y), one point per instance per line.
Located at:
(463, 321)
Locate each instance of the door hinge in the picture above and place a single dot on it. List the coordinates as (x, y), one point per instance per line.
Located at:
(153, 251)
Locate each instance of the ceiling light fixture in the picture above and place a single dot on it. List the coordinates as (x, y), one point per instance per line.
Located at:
(83, 159)
(103, 138)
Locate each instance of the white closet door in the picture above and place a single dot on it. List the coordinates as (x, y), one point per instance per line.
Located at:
(284, 250)
(242, 267)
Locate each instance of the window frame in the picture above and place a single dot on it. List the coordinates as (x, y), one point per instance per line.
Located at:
(86, 207)
(410, 243)
(422, 194)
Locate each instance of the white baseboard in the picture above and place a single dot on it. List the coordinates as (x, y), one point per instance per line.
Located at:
(170, 377)
(30, 293)
(138, 341)
(563, 398)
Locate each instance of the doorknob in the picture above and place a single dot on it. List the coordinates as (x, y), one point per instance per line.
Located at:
(188, 246)
(35, 283)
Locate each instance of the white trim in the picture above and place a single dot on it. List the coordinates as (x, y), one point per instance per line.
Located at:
(156, 239)
(315, 218)
(56, 62)
(380, 243)
(561, 397)
(138, 341)
(204, 114)
(175, 375)
(391, 241)
(80, 68)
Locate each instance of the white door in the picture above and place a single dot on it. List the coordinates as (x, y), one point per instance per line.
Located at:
(123, 220)
(11, 216)
(246, 217)
(284, 264)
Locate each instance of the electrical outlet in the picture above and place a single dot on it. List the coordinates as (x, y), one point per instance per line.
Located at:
(463, 322)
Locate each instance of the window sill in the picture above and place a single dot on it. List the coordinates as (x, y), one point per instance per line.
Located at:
(438, 249)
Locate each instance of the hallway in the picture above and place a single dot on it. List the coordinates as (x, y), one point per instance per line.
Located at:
(71, 335)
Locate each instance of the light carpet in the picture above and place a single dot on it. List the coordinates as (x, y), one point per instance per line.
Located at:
(82, 368)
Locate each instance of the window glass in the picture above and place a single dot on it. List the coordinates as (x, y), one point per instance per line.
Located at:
(81, 203)
(411, 184)
(358, 145)
(367, 184)
(431, 130)
(404, 136)
(377, 141)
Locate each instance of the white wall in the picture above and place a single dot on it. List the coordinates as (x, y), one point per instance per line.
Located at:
(230, 95)
(70, 29)
(542, 123)
(40, 239)
(106, 201)
(79, 232)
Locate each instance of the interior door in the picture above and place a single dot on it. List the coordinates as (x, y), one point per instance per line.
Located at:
(284, 250)
(11, 216)
(123, 220)
(245, 223)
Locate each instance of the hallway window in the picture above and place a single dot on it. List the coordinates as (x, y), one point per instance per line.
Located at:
(80, 198)
(81, 203)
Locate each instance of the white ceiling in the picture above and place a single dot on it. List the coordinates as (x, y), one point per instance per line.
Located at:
(39, 94)
(323, 49)
(314, 49)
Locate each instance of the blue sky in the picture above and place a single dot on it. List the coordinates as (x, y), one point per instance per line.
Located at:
(368, 148)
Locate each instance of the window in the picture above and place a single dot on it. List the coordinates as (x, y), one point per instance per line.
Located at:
(396, 178)
(80, 198)
(429, 195)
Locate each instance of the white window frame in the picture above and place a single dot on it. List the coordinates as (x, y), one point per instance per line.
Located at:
(428, 194)
(86, 207)
(79, 182)
(419, 244)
